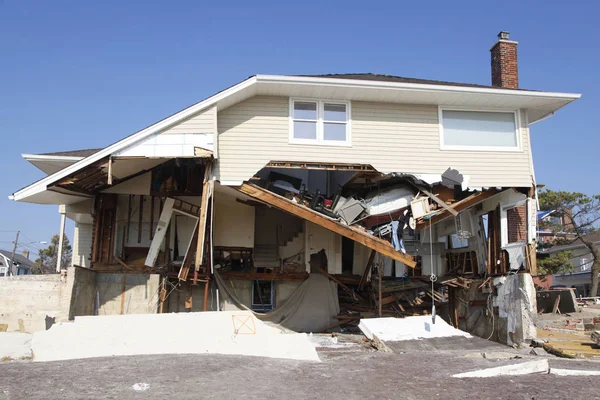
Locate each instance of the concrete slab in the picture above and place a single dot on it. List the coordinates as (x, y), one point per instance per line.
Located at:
(573, 372)
(15, 345)
(530, 367)
(235, 332)
(409, 328)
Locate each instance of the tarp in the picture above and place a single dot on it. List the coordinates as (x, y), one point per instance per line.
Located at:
(311, 308)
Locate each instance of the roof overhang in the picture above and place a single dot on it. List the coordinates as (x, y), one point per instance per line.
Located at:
(50, 164)
(537, 104)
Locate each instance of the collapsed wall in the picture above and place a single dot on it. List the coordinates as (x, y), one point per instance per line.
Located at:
(502, 309)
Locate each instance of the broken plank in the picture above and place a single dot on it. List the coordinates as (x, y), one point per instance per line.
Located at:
(556, 305)
(365, 275)
(333, 278)
(383, 247)
(468, 202)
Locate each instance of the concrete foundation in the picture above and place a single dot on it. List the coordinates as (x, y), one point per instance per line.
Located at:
(236, 332)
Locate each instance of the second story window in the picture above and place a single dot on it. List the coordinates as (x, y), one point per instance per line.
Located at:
(320, 122)
(479, 130)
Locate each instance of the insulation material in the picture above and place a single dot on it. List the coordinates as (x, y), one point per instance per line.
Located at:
(517, 303)
(311, 308)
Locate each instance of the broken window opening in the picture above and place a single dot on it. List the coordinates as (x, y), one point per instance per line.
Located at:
(263, 296)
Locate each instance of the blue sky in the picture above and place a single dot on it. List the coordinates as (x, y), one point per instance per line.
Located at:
(81, 74)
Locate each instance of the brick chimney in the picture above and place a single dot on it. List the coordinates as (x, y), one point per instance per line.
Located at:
(505, 71)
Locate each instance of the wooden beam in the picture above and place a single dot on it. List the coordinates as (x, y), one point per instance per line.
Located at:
(361, 236)
(205, 303)
(151, 217)
(365, 275)
(333, 278)
(206, 193)
(459, 206)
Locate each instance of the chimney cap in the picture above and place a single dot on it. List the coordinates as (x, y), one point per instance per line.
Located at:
(503, 35)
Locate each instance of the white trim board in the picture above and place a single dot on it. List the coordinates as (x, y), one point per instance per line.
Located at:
(286, 83)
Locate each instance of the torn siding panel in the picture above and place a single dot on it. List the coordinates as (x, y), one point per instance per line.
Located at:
(179, 140)
(82, 245)
(391, 137)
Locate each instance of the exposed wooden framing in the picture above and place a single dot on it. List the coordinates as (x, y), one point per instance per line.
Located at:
(123, 290)
(365, 275)
(380, 276)
(263, 276)
(206, 193)
(459, 206)
(439, 201)
(205, 303)
(152, 217)
(110, 176)
(75, 189)
(163, 294)
(320, 166)
(333, 278)
(126, 239)
(381, 246)
(140, 218)
(187, 261)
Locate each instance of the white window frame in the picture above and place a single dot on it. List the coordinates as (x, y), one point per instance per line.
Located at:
(516, 113)
(320, 140)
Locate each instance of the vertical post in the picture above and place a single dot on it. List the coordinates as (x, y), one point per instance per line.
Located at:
(380, 275)
(206, 287)
(61, 233)
(11, 268)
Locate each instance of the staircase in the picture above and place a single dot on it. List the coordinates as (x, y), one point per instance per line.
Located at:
(265, 256)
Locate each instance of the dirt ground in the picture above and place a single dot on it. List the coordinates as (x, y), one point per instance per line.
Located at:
(351, 372)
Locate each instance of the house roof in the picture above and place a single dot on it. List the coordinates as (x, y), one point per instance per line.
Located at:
(351, 88)
(72, 153)
(368, 76)
(24, 261)
(594, 238)
(543, 214)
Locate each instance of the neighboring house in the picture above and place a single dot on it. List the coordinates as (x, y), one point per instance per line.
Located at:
(276, 175)
(23, 264)
(581, 260)
(548, 223)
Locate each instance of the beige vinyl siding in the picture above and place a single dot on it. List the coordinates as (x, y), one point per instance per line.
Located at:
(390, 137)
(203, 122)
(82, 245)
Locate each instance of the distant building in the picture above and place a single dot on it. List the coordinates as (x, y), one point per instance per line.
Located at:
(23, 264)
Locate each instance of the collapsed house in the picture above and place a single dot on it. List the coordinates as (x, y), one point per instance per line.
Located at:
(319, 200)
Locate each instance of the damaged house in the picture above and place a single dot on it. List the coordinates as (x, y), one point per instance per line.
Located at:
(316, 200)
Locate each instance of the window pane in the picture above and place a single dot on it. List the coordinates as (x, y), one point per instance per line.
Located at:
(334, 132)
(305, 130)
(305, 110)
(470, 128)
(335, 112)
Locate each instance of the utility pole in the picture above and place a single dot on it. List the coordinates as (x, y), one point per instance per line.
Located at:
(12, 258)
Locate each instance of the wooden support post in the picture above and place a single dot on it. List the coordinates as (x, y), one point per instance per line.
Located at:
(206, 287)
(163, 295)
(556, 305)
(123, 290)
(206, 194)
(140, 215)
(151, 217)
(365, 275)
(126, 239)
(380, 275)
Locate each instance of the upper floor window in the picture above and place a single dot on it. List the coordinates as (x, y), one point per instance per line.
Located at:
(319, 122)
(479, 130)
